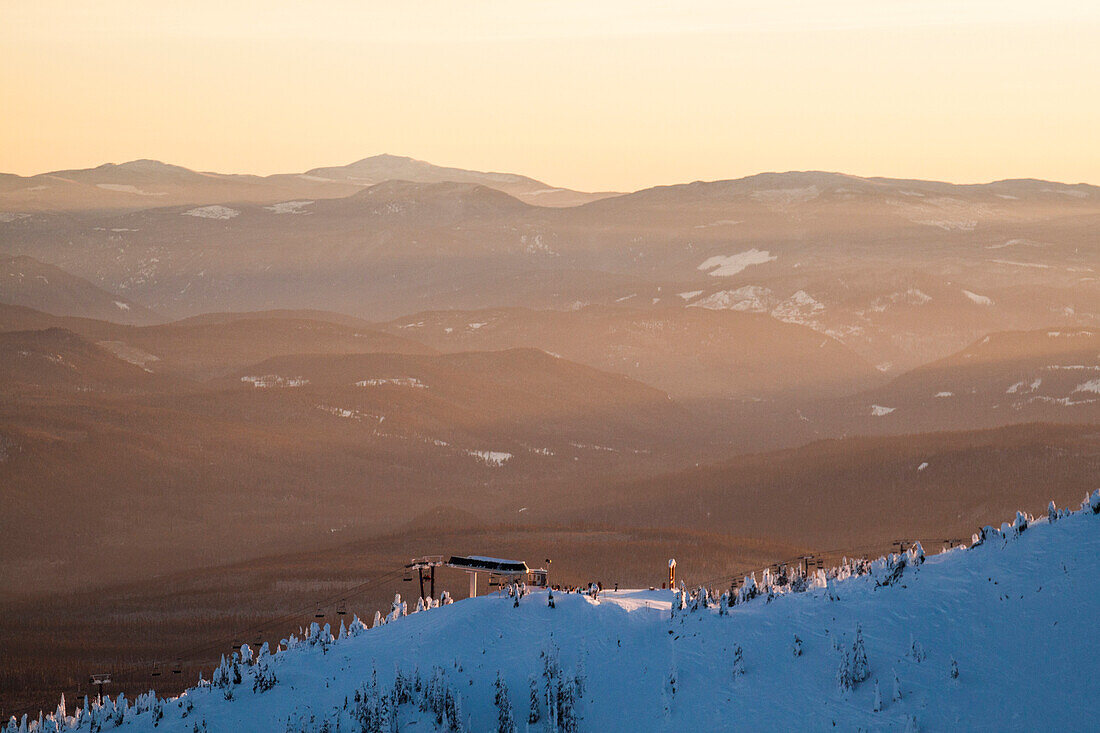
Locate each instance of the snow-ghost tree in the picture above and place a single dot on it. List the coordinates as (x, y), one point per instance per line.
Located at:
(861, 670)
(534, 708)
(737, 666)
(505, 722)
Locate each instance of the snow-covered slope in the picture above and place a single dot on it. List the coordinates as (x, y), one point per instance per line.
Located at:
(1001, 636)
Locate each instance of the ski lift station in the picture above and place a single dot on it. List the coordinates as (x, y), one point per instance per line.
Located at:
(496, 571)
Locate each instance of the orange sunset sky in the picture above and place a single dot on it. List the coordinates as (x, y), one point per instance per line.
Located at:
(594, 95)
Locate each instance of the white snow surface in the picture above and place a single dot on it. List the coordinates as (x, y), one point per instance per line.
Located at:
(392, 382)
(880, 411)
(751, 298)
(1015, 614)
(212, 212)
(729, 265)
(493, 458)
(289, 207)
(978, 299)
(268, 381)
(1093, 385)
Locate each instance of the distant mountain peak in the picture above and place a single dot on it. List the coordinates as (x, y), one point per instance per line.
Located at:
(144, 165)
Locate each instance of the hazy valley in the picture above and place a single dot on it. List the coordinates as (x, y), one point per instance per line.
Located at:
(212, 384)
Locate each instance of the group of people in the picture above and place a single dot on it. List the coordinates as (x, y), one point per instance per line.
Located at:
(592, 590)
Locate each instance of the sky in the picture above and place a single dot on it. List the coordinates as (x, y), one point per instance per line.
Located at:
(590, 94)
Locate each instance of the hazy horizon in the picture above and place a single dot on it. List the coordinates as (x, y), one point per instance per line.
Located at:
(614, 97)
(483, 169)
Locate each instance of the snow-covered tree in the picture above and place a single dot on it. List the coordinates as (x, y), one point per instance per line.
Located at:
(1020, 524)
(456, 718)
(796, 647)
(844, 678)
(263, 675)
(897, 687)
(534, 707)
(398, 608)
(505, 722)
(861, 670)
(568, 714)
(877, 705)
(737, 666)
(748, 589)
(580, 676)
(916, 651)
(954, 669)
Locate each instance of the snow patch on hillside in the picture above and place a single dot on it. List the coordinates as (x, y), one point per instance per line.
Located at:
(212, 212)
(350, 414)
(289, 207)
(269, 381)
(751, 298)
(1016, 243)
(978, 299)
(128, 353)
(799, 308)
(1014, 263)
(909, 296)
(880, 411)
(1023, 386)
(1093, 385)
(392, 382)
(729, 265)
(494, 458)
(719, 223)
